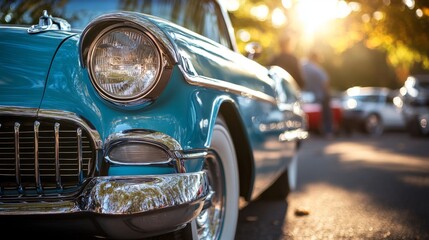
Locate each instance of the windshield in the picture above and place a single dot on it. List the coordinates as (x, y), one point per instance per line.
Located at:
(366, 98)
(203, 17)
(79, 12)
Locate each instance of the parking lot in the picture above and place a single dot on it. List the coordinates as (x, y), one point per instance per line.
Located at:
(350, 187)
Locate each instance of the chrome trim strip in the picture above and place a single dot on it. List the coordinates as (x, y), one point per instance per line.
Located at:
(293, 135)
(202, 81)
(228, 25)
(36, 158)
(17, 160)
(112, 196)
(18, 111)
(193, 154)
(57, 155)
(149, 136)
(79, 154)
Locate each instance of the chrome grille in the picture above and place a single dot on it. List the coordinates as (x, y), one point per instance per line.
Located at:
(43, 157)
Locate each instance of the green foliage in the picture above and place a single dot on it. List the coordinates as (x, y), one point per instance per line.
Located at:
(393, 44)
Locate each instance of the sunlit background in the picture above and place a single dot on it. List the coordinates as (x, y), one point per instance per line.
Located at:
(363, 42)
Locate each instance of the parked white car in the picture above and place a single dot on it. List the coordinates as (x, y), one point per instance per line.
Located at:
(372, 110)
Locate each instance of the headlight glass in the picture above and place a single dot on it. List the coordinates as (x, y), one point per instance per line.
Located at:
(124, 64)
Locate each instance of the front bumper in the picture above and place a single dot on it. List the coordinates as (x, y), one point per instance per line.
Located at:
(114, 207)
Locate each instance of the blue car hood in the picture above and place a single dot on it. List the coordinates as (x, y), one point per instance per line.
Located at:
(25, 60)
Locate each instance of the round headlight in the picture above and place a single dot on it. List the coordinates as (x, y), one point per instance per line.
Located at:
(124, 64)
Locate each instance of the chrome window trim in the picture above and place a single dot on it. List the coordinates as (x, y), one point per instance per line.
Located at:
(228, 25)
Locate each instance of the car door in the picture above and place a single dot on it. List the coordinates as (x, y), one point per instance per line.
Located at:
(392, 116)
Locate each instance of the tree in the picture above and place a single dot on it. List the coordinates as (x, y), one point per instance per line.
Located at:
(394, 35)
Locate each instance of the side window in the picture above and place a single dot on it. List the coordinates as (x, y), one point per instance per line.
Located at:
(286, 88)
(214, 25)
(370, 98)
(389, 99)
(291, 92)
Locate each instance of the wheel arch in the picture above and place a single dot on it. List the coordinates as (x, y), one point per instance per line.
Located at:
(245, 163)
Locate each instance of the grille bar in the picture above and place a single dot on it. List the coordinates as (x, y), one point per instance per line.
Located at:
(57, 155)
(45, 156)
(36, 157)
(17, 160)
(79, 153)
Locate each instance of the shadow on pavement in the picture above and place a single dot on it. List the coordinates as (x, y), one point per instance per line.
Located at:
(357, 187)
(262, 219)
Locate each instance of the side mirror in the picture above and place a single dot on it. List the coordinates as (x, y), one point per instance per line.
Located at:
(253, 50)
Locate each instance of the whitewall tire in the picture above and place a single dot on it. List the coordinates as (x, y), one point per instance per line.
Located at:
(219, 221)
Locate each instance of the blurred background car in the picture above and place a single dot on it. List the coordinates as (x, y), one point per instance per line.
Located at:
(313, 112)
(371, 110)
(415, 104)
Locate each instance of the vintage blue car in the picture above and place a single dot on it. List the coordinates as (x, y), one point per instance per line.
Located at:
(137, 119)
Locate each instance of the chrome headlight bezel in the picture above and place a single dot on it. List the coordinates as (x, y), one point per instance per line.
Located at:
(95, 77)
(168, 150)
(106, 24)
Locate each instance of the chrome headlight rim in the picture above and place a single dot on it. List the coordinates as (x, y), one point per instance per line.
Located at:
(125, 100)
(109, 96)
(166, 50)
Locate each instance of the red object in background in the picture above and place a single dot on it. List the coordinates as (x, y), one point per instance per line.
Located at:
(314, 115)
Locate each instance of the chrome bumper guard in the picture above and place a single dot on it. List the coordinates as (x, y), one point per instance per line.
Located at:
(144, 204)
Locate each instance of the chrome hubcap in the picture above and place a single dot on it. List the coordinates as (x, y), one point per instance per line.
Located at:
(210, 220)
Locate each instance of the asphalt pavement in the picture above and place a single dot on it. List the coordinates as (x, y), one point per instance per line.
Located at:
(350, 187)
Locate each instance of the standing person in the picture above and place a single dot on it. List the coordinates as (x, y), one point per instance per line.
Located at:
(317, 82)
(288, 61)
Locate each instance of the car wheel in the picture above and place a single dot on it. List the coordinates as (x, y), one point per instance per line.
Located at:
(219, 220)
(418, 126)
(373, 125)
